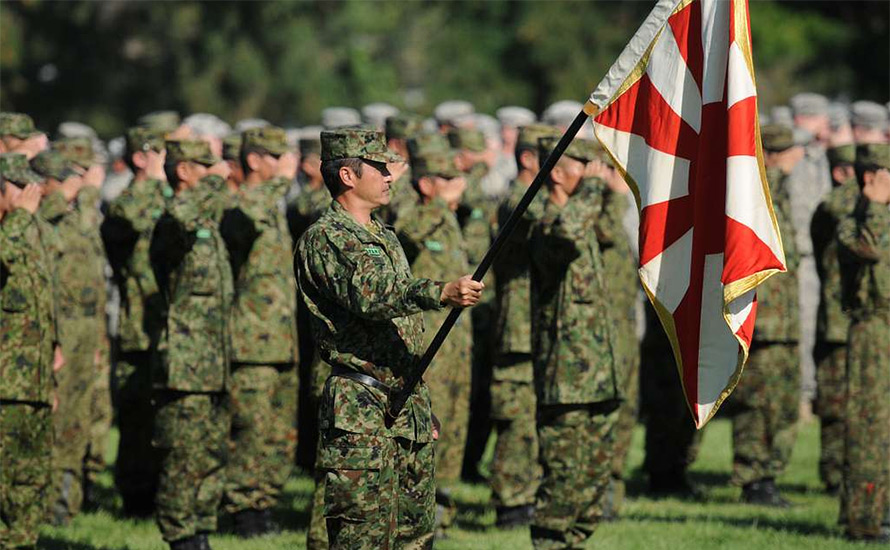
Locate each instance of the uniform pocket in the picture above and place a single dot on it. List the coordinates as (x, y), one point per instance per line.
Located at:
(352, 478)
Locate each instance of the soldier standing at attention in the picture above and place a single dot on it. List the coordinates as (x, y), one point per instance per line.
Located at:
(832, 324)
(399, 129)
(190, 370)
(127, 235)
(264, 384)
(27, 338)
(515, 472)
(767, 398)
(313, 199)
(431, 237)
(70, 207)
(365, 305)
(865, 262)
(577, 383)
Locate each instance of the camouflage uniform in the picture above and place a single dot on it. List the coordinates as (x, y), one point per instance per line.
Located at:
(577, 382)
(127, 234)
(766, 400)
(27, 334)
(78, 254)
(832, 324)
(264, 346)
(432, 240)
(865, 262)
(190, 371)
(402, 126)
(355, 280)
(621, 285)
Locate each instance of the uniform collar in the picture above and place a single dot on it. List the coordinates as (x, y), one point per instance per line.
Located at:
(363, 233)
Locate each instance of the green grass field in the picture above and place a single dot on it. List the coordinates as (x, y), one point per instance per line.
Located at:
(719, 522)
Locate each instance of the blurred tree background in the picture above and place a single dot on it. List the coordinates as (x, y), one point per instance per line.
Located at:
(107, 62)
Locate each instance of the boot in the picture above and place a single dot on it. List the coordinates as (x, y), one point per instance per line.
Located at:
(764, 492)
(673, 484)
(269, 525)
(510, 517)
(248, 523)
(188, 543)
(203, 543)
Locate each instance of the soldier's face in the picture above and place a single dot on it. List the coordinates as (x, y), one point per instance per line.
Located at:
(568, 174)
(373, 185)
(863, 134)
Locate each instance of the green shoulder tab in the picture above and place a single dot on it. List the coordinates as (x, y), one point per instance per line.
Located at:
(433, 246)
(203, 233)
(373, 251)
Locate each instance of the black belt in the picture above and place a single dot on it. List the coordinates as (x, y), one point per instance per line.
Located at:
(362, 379)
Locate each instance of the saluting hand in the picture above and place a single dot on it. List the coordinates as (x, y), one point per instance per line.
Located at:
(28, 198)
(464, 292)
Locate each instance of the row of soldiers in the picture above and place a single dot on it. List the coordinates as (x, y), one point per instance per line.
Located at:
(144, 239)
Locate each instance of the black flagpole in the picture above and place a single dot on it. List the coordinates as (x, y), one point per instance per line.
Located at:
(399, 398)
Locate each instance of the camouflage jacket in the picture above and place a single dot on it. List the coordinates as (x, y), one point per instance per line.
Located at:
(618, 260)
(127, 234)
(475, 216)
(27, 326)
(305, 208)
(864, 238)
(192, 269)
(572, 321)
(832, 322)
(778, 314)
(366, 315)
(77, 250)
(513, 325)
(265, 293)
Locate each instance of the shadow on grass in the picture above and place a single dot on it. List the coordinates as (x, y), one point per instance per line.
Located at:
(798, 527)
(56, 543)
(471, 516)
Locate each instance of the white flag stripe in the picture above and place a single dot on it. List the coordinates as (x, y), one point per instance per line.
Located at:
(671, 77)
(715, 42)
(667, 275)
(746, 202)
(718, 348)
(659, 176)
(633, 52)
(741, 85)
(739, 310)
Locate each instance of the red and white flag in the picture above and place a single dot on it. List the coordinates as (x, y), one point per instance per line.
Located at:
(678, 115)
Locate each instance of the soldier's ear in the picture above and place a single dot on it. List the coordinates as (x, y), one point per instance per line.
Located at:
(253, 160)
(347, 177)
(426, 187)
(140, 160)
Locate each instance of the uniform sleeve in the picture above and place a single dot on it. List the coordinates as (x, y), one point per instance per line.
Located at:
(413, 228)
(365, 287)
(53, 206)
(561, 229)
(858, 234)
(170, 242)
(14, 235)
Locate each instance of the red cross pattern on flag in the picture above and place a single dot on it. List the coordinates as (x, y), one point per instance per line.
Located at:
(677, 113)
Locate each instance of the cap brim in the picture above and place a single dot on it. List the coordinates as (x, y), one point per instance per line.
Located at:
(208, 160)
(26, 135)
(387, 156)
(26, 177)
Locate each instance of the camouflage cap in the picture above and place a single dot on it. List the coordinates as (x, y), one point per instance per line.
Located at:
(356, 143)
(841, 155)
(140, 138)
(206, 124)
(781, 115)
(337, 117)
(579, 149)
(310, 146)
(467, 138)
(75, 129)
(809, 104)
(232, 146)
(78, 150)
(869, 114)
(248, 123)
(873, 154)
(838, 115)
(776, 137)
(426, 142)
(403, 126)
(17, 125)
(435, 163)
(14, 168)
(270, 139)
(163, 121)
(515, 117)
(529, 135)
(190, 150)
(51, 164)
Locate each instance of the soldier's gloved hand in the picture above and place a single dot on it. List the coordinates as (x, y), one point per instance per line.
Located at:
(464, 292)
(437, 427)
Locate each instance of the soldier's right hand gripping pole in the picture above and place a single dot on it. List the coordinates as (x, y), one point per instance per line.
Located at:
(400, 396)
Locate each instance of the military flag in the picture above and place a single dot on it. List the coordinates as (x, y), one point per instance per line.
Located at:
(677, 112)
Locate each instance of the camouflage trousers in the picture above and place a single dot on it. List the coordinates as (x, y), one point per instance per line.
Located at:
(317, 535)
(627, 419)
(263, 440)
(191, 432)
(81, 338)
(766, 404)
(515, 472)
(100, 416)
(671, 438)
(865, 488)
(831, 390)
(138, 462)
(576, 453)
(379, 492)
(26, 444)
